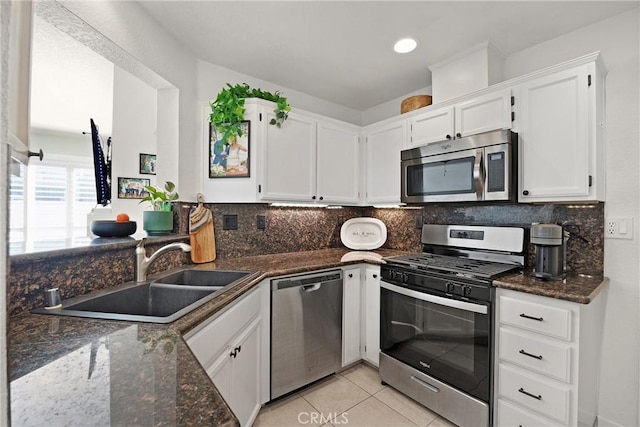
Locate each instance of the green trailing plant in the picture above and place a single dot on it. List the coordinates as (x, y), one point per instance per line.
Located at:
(227, 111)
(161, 199)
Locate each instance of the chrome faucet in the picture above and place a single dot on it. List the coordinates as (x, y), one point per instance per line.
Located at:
(143, 263)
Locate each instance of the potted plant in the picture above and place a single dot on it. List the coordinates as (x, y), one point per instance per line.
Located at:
(227, 111)
(159, 221)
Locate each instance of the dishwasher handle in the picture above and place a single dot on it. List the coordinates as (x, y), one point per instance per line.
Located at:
(308, 283)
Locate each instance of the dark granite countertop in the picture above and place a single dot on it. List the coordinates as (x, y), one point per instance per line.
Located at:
(77, 371)
(575, 288)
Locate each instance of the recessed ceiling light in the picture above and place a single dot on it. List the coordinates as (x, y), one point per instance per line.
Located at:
(405, 45)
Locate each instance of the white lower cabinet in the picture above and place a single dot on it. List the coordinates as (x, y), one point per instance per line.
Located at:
(361, 314)
(547, 360)
(232, 347)
(351, 293)
(371, 315)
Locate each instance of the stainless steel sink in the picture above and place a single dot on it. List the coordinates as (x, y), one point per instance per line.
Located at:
(153, 302)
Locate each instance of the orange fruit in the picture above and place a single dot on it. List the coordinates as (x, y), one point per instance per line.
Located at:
(122, 217)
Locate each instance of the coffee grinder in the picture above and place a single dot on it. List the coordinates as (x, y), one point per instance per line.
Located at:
(550, 249)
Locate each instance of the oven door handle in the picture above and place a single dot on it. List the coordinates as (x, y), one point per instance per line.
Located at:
(447, 302)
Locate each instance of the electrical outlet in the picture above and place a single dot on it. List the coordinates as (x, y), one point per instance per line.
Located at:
(618, 228)
(229, 222)
(261, 222)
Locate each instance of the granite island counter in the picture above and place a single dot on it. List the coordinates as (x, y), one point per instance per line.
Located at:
(78, 371)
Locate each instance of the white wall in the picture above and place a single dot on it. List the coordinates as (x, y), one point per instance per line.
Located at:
(128, 26)
(70, 83)
(389, 108)
(212, 78)
(134, 132)
(618, 40)
(4, 211)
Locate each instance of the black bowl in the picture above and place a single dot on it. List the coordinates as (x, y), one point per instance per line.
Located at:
(110, 228)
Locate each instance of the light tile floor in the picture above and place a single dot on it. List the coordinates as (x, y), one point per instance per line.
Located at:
(352, 398)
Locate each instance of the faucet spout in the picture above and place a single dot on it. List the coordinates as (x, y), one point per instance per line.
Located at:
(143, 262)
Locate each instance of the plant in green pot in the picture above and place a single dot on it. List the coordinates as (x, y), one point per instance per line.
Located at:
(159, 221)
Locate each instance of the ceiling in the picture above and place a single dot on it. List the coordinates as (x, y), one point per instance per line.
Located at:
(341, 51)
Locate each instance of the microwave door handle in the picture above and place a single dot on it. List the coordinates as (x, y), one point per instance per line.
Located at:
(479, 175)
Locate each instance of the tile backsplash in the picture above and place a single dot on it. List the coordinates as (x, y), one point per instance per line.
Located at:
(290, 229)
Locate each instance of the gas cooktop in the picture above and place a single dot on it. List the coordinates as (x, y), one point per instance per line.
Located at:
(453, 264)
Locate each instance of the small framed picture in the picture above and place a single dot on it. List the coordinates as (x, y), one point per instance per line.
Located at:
(229, 159)
(132, 188)
(147, 164)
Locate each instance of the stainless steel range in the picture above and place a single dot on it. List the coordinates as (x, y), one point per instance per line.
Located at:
(436, 318)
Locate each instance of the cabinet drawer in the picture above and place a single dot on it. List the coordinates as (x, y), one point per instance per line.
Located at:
(534, 392)
(210, 338)
(538, 354)
(543, 319)
(510, 415)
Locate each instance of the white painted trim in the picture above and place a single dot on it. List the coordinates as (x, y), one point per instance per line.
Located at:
(604, 422)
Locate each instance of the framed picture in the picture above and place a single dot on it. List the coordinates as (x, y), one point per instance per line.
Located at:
(229, 159)
(147, 164)
(132, 188)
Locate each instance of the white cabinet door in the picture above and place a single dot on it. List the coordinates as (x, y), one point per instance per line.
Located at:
(289, 160)
(230, 347)
(338, 160)
(245, 372)
(434, 126)
(484, 113)
(19, 71)
(553, 137)
(372, 314)
(351, 316)
(383, 146)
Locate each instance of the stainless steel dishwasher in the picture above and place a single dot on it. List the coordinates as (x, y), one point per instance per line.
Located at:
(306, 329)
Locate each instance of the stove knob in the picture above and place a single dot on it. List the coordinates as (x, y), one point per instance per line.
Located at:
(405, 277)
(451, 287)
(466, 291)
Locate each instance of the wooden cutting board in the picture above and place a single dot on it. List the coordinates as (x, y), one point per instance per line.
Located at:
(201, 234)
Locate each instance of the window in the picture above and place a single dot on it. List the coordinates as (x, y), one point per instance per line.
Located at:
(50, 202)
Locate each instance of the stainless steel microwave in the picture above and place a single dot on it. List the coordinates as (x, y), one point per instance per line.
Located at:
(480, 167)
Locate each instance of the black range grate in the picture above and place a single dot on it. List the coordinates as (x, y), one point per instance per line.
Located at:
(473, 267)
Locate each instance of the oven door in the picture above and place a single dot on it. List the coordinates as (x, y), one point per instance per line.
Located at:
(445, 338)
(451, 177)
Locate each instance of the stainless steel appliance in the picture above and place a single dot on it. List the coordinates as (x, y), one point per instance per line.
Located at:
(474, 168)
(306, 329)
(436, 311)
(551, 250)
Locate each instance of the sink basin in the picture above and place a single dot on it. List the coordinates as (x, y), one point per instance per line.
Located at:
(154, 302)
(203, 277)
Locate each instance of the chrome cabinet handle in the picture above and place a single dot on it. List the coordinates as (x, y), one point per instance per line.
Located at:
(539, 319)
(539, 357)
(448, 137)
(523, 391)
(350, 275)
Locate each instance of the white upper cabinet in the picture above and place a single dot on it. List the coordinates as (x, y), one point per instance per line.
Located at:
(561, 136)
(433, 126)
(479, 114)
(289, 159)
(310, 160)
(483, 113)
(338, 173)
(20, 24)
(383, 143)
